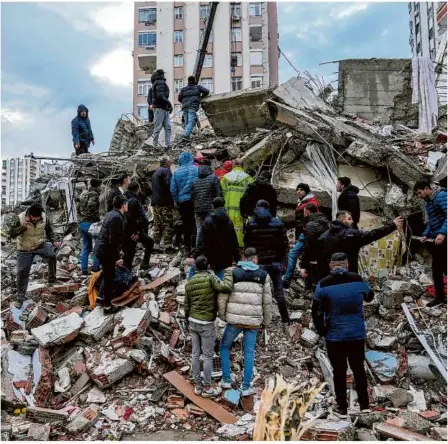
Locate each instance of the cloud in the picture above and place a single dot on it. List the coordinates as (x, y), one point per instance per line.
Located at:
(12, 116)
(25, 88)
(117, 19)
(348, 11)
(115, 68)
(384, 32)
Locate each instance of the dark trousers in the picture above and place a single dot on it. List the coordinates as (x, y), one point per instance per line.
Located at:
(275, 273)
(338, 353)
(83, 148)
(130, 247)
(108, 267)
(439, 268)
(186, 210)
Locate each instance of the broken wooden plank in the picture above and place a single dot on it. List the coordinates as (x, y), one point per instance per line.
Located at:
(211, 407)
(399, 433)
(171, 274)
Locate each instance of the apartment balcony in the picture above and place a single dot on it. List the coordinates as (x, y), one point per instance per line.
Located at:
(147, 62)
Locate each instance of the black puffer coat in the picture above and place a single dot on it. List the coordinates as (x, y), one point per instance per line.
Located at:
(191, 95)
(349, 201)
(204, 189)
(110, 240)
(160, 92)
(260, 189)
(317, 225)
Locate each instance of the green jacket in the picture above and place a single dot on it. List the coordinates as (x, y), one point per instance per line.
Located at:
(201, 294)
(89, 206)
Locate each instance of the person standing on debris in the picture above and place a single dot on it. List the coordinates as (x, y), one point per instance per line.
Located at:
(88, 214)
(162, 205)
(436, 228)
(181, 184)
(190, 96)
(226, 168)
(305, 197)
(267, 235)
(201, 307)
(348, 199)
(162, 107)
(135, 230)
(233, 186)
(341, 237)
(337, 313)
(109, 245)
(123, 182)
(204, 189)
(261, 188)
(82, 131)
(31, 228)
(246, 310)
(150, 107)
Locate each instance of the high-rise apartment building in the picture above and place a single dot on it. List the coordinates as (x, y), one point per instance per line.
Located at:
(17, 174)
(242, 51)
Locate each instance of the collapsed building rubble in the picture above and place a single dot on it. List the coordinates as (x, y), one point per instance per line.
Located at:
(71, 372)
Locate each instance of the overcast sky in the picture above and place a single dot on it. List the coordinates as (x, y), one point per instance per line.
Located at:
(58, 55)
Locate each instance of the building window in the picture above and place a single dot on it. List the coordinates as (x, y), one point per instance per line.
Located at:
(178, 61)
(147, 15)
(257, 81)
(256, 57)
(235, 11)
(254, 9)
(419, 48)
(207, 82)
(203, 11)
(147, 39)
(208, 61)
(432, 54)
(431, 33)
(142, 111)
(236, 34)
(237, 83)
(143, 87)
(4, 164)
(178, 36)
(178, 85)
(210, 40)
(178, 12)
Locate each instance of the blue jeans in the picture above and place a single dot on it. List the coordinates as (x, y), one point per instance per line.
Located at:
(293, 257)
(219, 273)
(249, 342)
(190, 120)
(87, 247)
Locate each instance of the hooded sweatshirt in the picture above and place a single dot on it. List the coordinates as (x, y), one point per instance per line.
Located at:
(191, 95)
(81, 129)
(204, 189)
(183, 178)
(226, 168)
(349, 201)
(260, 189)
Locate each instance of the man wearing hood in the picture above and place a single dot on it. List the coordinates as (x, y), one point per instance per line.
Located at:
(343, 238)
(348, 199)
(226, 168)
(260, 189)
(162, 107)
(203, 190)
(181, 184)
(267, 235)
(304, 197)
(190, 97)
(82, 131)
(233, 186)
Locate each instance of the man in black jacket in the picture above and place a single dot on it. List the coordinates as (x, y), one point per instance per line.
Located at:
(190, 97)
(261, 189)
(136, 230)
(108, 247)
(162, 107)
(348, 199)
(118, 190)
(342, 238)
(150, 107)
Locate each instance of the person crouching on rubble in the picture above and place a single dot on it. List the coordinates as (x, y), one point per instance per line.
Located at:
(245, 310)
(201, 306)
(82, 131)
(337, 313)
(108, 247)
(436, 228)
(31, 229)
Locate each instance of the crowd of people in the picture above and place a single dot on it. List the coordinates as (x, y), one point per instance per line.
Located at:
(237, 249)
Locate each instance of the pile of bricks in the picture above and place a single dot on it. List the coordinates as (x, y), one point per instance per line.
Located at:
(43, 374)
(134, 322)
(37, 317)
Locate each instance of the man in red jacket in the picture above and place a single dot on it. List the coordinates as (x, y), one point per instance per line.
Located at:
(226, 168)
(304, 197)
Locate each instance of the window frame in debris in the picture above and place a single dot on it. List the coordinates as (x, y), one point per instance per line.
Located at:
(180, 33)
(238, 81)
(207, 82)
(178, 60)
(235, 34)
(149, 10)
(178, 12)
(178, 85)
(147, 45)
(143, 85)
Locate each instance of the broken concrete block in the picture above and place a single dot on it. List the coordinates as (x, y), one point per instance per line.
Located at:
(384, 342)
(165, 318)
(175, 401)
(414, 422)
(18, 337)
(65, 288)
(368, 419)
(309, 338)
(39, 432)
(133, 323)
(365, 435)
(80, 384)
(63, 383)
(391, 299)
(37, 317)
(45, 416)
(97, 324)
(83, 421)
(399, 397)
(59, 331)
(97, 396)
(439, 433)
(425, 280)
(6, 431)
(329, 430)
(256, 155)
(43, 376)
(398, 433)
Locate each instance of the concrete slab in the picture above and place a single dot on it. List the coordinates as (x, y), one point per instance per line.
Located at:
(97, 324)
(59, 331)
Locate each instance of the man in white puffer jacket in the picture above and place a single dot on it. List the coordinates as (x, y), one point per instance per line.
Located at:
(245, 310)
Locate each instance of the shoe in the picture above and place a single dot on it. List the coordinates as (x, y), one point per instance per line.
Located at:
(211, 392)
(111, 310)
(435, 303)
(168, 148)
(340, 413)
(198, 389)
(247, 392)
(225, 385)
(18, 304)
(84, 273)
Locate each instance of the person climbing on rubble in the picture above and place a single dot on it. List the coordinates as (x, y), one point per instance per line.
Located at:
(201, 307)
(190, 96)
(180, 187)
(162, 205)
(162, 108)
(88, 214)
(261, 188)
(316, 224)
(337, 313)
(135, 230)
(108, 247)
(342, 237)
(82, 131)
(436, 228)
(267, 235)
(233, 186)
(348, 200)
(226, 168)
(246, 309)
(204, 189)
(123, 182)
(32, 228)
(304, 197)
(217, 240)
(150, 107)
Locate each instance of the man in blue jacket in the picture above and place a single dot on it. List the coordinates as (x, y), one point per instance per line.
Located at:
(82, 131)
(338, 315)
(181, 184)
(435, 205)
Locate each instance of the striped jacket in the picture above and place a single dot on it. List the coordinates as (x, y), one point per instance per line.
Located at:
(436, 211)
